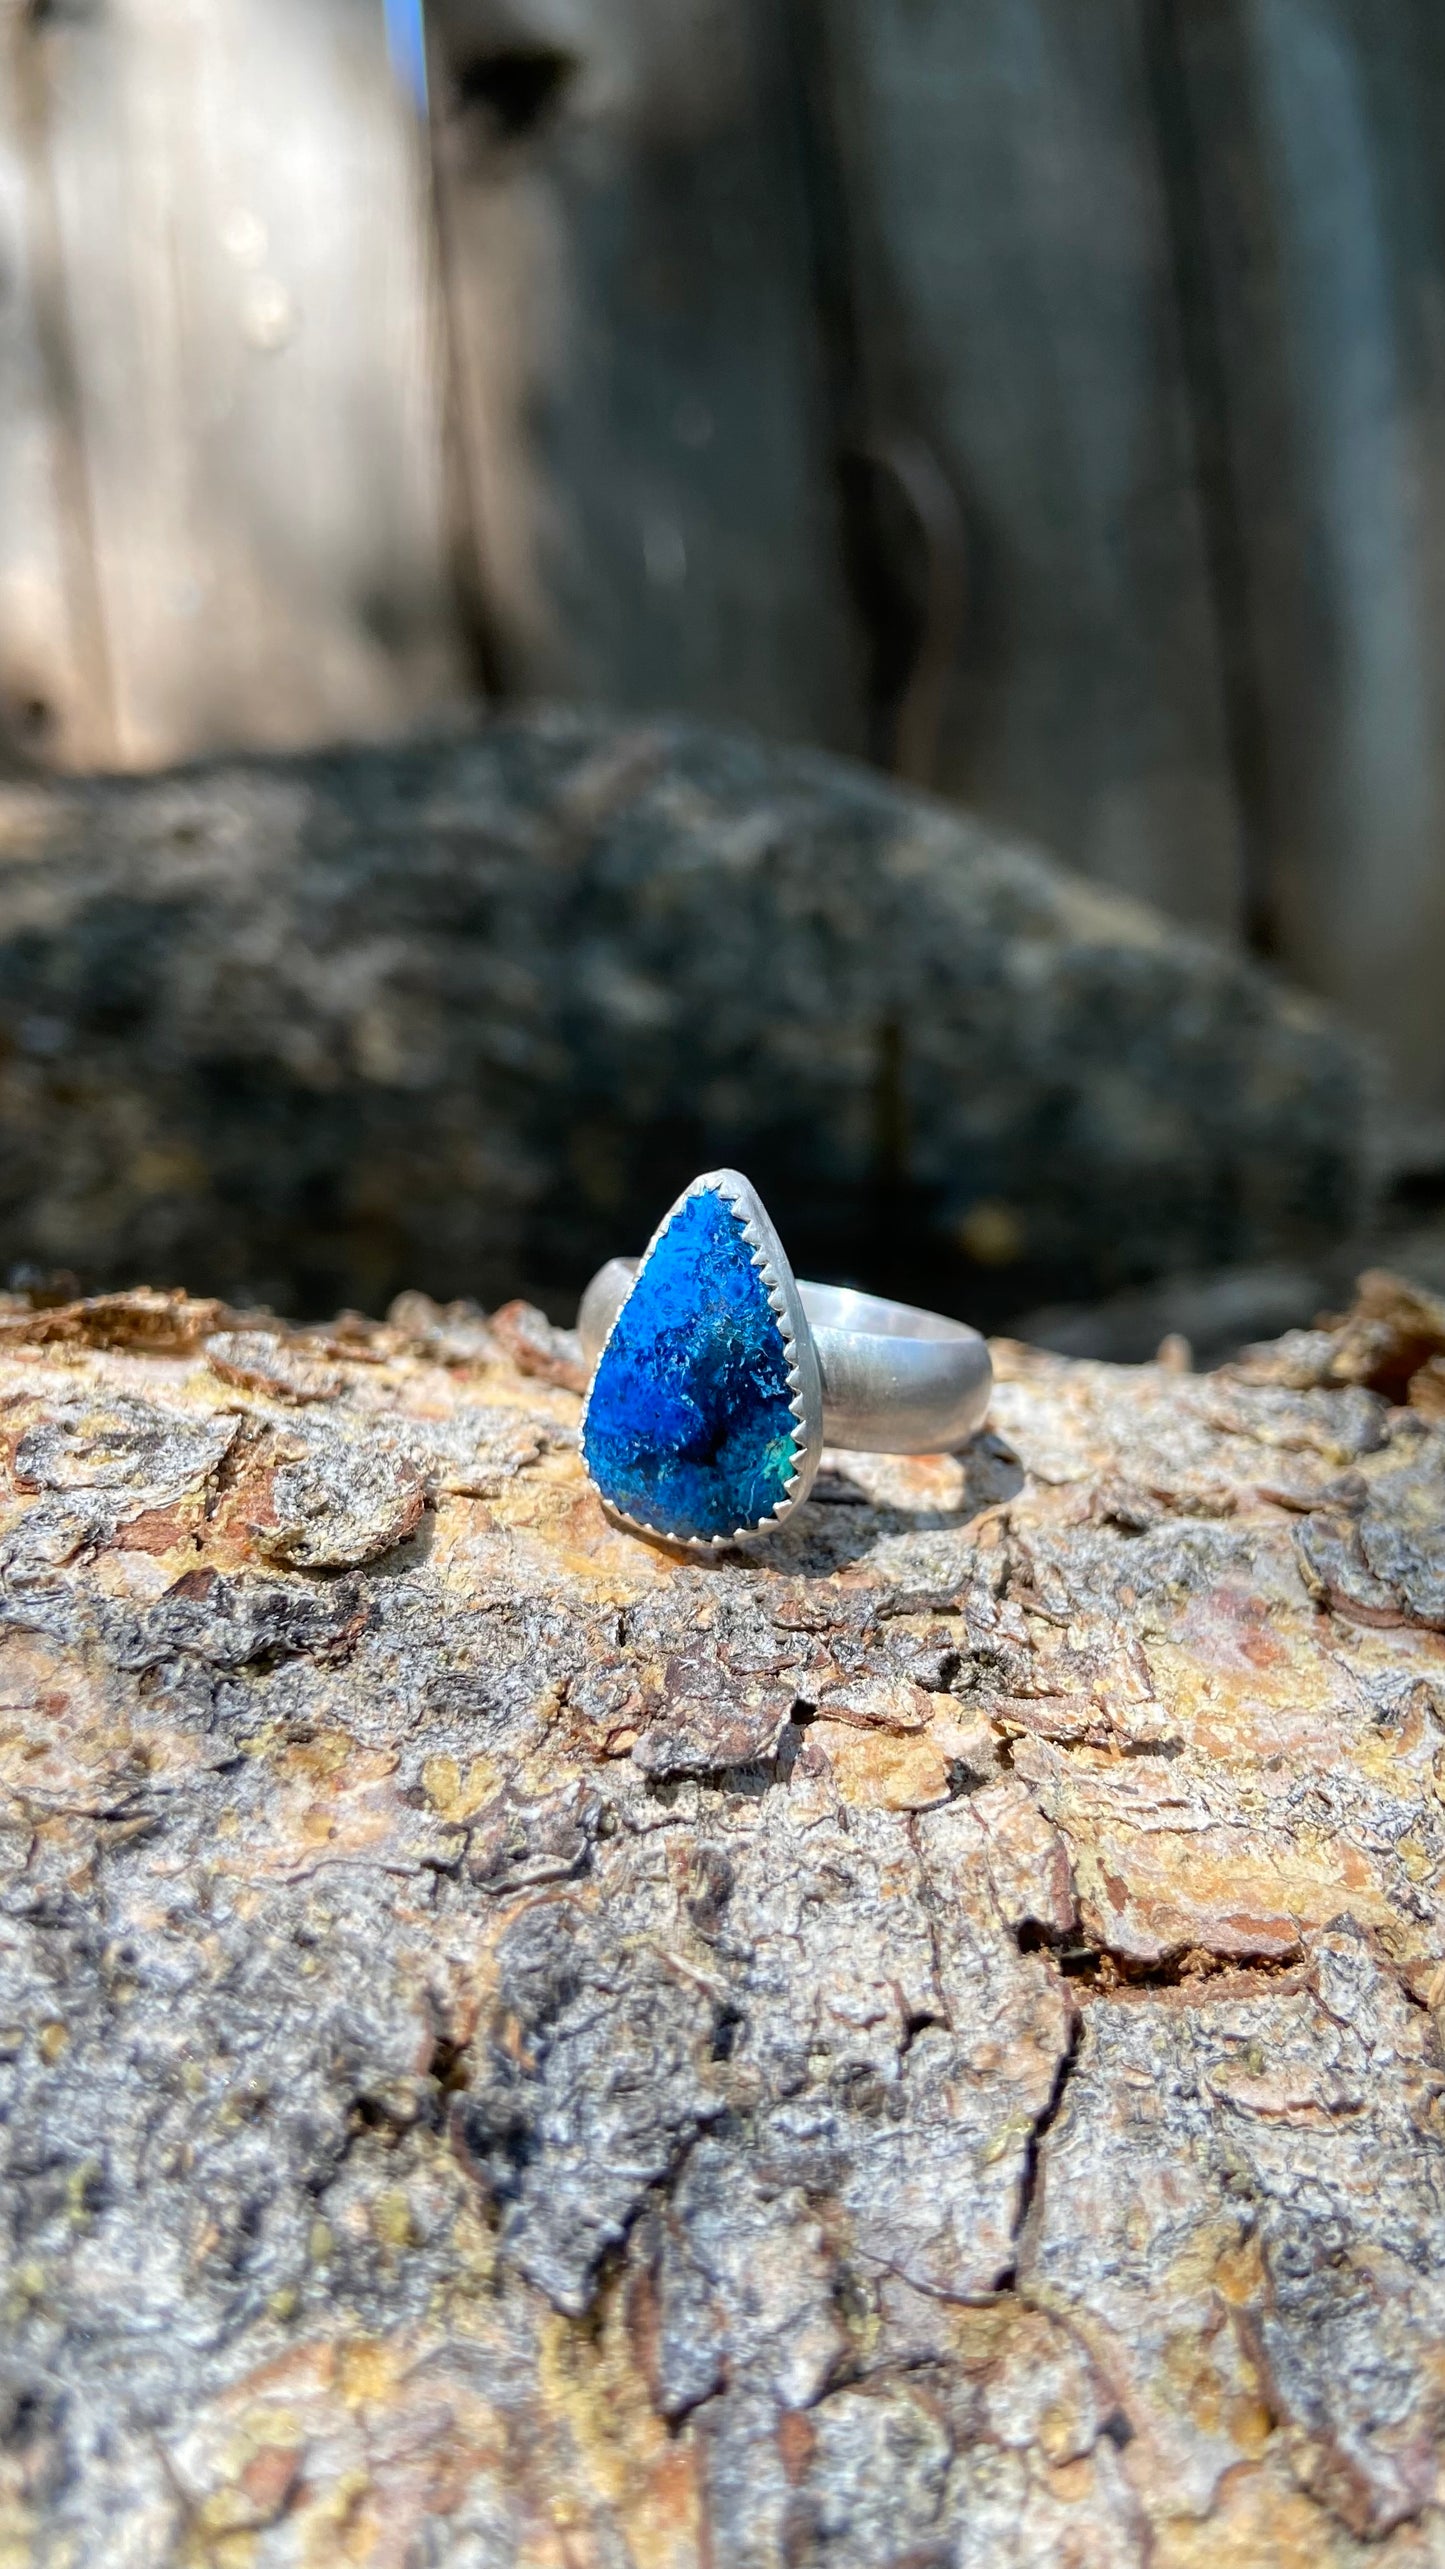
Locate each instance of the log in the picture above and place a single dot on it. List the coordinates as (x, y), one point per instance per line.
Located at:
(918, 2044)
(465, 1016)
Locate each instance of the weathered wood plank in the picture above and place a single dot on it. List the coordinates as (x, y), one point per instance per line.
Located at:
(468, 1014)
(631, 295)
(1016, 309)
(1323, 205)
(54, 692)
(241, 206)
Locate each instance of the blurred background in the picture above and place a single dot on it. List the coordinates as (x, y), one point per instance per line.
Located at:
(1043, 400)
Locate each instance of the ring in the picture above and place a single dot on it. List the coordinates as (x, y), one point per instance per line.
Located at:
(717, 1379)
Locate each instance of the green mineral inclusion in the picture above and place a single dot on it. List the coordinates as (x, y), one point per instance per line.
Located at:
(689, 1424)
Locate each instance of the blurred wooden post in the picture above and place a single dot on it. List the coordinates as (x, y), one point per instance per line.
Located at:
(629, 265)
(243, 309)
(1015, 312)
(1319, 128)
(55, 698)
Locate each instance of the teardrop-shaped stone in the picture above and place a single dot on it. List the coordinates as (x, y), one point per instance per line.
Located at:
(690, 1426)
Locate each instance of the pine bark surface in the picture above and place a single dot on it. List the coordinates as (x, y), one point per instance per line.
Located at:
(916, 2045)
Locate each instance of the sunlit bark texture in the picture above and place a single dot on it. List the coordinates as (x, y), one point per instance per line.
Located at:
(914, 2046)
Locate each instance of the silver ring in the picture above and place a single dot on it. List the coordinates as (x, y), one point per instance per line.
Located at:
(716, 1378)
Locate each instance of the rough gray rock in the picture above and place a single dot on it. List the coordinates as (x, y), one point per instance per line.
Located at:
(468, 1015)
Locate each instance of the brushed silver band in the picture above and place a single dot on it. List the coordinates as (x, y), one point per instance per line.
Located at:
(895, 1380)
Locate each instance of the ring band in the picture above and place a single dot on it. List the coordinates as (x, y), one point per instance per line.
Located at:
(716, 1377)
(896, 1380)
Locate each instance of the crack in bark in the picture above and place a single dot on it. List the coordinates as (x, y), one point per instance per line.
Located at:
(1043, 2124)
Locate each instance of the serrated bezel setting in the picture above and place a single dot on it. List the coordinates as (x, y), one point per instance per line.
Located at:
(803, 1375)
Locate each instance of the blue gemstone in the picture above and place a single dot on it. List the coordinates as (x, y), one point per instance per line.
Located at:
(690, 1423)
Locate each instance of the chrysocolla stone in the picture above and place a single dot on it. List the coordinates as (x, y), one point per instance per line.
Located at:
(690, 1423)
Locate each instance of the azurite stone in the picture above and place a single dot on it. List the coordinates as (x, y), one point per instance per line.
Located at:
(690, 1425)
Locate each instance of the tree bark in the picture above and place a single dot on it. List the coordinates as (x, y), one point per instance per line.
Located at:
(912, 2045)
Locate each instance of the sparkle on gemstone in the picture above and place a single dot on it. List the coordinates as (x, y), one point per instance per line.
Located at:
(690, 1425)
